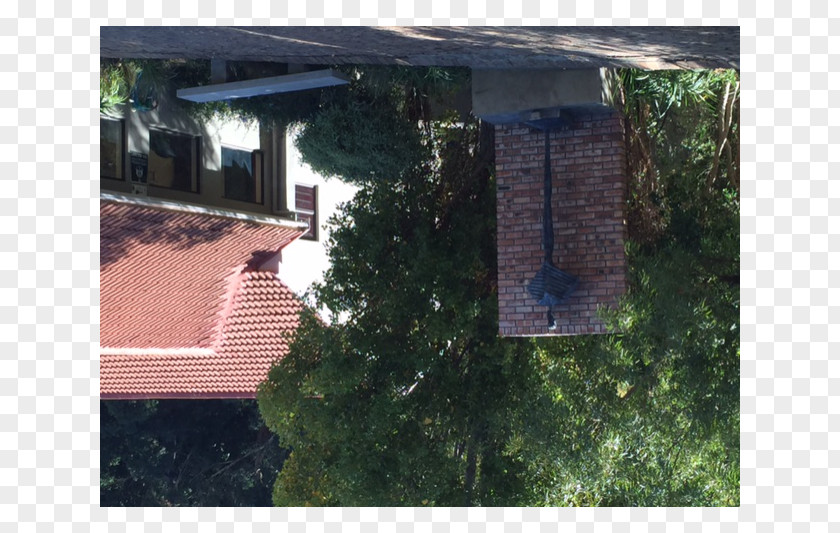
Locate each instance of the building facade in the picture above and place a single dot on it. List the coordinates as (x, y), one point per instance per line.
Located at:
(211, 232)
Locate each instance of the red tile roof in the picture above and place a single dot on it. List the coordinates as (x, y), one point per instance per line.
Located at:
(185, 310)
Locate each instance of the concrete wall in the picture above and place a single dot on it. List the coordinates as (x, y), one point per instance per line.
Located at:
(512, 95)
(589, 183)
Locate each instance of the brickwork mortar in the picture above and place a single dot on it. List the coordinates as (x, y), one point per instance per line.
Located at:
(588, 205)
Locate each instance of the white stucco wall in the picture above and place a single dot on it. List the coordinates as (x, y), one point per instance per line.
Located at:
(304, 262)
(234, 134)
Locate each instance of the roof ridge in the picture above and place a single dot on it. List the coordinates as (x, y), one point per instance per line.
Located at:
(233, 284)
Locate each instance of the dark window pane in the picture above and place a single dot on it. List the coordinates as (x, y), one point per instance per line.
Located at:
(172, 161)
(242, 175)
(111, 148)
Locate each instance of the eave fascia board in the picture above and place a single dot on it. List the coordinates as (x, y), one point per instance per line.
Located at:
(258, 87)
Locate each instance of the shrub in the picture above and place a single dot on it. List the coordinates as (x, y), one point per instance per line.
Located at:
(113, 89)
(360, 139)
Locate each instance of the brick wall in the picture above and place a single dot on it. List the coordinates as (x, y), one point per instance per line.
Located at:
(588, 178)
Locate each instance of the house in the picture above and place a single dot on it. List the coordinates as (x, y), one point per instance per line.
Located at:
(191, 304)
(210, 234)
(558, 122)
(517, 72)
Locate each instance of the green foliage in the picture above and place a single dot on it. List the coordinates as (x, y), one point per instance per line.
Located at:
(661, 397)
(412, 90)
(186, 453)
(143, 81)
(149, 79)
(372, 131)
(281, 109)
(658, 400)
(682, 137)
(428, 82)
(411, 398)
(135, 81)
(661, 91)
(360, 139)
(113, 89)
(649, 415)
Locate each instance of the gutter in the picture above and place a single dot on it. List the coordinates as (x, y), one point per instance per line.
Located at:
(155, 203)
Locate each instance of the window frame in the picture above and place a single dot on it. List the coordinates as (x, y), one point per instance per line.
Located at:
(120, 149)
(258, 174)
(195, 160)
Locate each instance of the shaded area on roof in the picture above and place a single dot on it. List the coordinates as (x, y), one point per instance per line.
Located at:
(254, 335)
(165, 275)
(188, 287)
(474, 46)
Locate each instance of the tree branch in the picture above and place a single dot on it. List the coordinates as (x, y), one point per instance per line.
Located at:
(183, 467)
(710, 179)
(227, 465)
(725, 124)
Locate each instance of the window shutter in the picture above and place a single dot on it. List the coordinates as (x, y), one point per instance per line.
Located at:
(306, 206)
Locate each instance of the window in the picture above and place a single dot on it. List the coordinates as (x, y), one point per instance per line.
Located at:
(173, 160)
(111, 149)
(306, 205)
(243, 175)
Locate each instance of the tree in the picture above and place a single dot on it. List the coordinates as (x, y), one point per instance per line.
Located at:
(408, 401)
(376, 128)
(656, 404)
(682, 133)
(339, 139)
(186, 453)
(412, 399)
(667, 381)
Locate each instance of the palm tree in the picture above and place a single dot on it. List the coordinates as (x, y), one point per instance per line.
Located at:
(650, 102)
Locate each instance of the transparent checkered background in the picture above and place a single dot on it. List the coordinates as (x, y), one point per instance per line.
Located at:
(49, 257)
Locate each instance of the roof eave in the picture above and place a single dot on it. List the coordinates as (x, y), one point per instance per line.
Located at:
(183, 207)
(180, 396)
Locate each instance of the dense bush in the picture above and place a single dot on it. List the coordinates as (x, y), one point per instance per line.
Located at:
(360, 139)
(378, 129)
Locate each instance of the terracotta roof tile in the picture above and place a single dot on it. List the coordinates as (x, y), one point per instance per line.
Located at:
(183, 311)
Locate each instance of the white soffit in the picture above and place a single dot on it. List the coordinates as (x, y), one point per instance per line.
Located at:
(261, 86)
